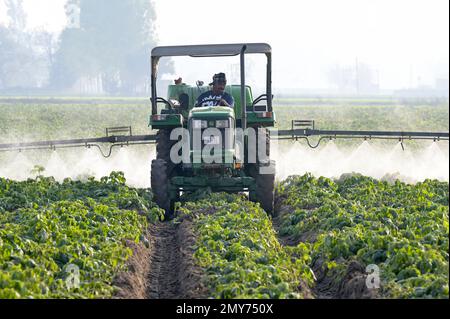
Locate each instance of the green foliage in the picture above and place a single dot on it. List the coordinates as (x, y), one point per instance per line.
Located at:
(68, 121)
(37, 170)
(25, 54)
(20, 65)
(401, 228)
(80, 119)
(360, 115)
(238, 248)
(390, 115)
(46, 226)
(117, 52)
(110, 190)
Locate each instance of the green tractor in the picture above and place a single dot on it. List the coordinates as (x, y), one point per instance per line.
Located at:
(246, 168)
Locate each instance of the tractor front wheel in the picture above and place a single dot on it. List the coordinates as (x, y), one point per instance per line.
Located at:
(265, 188)
(160, 186)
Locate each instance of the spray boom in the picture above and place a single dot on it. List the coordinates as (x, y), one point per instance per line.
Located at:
(304, 129)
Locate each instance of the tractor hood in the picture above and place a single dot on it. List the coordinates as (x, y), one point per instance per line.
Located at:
(212, 112)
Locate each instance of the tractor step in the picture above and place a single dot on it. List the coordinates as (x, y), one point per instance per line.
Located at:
(226, 184)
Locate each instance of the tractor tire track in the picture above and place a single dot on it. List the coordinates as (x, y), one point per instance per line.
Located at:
(162, 266)
(164, 275)
(329, 284)
(173, 273)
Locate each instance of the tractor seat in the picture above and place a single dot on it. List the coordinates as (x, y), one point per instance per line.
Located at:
(183, 98)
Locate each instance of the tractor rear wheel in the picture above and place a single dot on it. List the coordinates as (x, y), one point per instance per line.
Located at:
(263, 134)
(267, 134)
(265, 188)
(160, 186)
(163, 145)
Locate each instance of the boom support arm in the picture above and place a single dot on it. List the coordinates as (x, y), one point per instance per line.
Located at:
(305, 129)
(113, 140)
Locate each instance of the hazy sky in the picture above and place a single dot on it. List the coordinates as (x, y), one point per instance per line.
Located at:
(395, 37)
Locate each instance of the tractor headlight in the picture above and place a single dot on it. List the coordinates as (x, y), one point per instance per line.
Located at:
(222, 124)
(198, 124)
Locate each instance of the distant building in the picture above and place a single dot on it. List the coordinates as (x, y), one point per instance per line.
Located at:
(442, 85)
(359, 79)
(440, 90)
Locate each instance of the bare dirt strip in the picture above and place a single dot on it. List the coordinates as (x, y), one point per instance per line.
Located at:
(165, 269)
(329, 284)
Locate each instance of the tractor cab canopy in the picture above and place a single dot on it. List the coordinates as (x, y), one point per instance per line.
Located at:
(241, 93)
(210, 50)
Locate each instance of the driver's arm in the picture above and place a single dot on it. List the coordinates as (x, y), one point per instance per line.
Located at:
(198, 102)
(227, 100)
(223, 102)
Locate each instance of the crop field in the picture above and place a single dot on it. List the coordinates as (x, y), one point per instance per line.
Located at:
(324, 236)
(25, 119)
(68, 231)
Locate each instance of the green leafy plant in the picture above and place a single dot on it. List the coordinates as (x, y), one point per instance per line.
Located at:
(46, 226)
(401, 228)
(238, 248)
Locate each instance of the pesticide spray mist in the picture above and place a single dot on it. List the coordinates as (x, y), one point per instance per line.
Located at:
(292, 159)
(82, 163)
(381, 162)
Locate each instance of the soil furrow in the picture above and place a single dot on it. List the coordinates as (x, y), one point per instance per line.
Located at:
(165, 268)
(164, 281)
(329, 284)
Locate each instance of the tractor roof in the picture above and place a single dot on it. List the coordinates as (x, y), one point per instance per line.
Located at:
(210, 50)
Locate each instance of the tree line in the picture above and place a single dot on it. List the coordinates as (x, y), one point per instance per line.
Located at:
(104, 49)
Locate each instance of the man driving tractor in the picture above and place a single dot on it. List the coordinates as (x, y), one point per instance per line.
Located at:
(217, 96)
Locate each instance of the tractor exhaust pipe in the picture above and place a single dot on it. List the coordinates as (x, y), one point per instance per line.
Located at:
(243, 91)
(154, 61)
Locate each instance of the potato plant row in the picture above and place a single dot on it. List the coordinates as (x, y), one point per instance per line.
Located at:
(68, 240)
(238, 249)
(402, 229)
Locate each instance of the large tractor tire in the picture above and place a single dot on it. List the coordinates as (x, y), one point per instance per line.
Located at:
(252, 167)
(265, 135)
(265, 183)
(163, 145)
(160, 186)
(265, 188)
